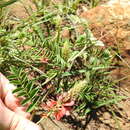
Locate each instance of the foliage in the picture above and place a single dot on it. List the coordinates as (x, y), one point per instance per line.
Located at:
(42, 63)
(6, 3)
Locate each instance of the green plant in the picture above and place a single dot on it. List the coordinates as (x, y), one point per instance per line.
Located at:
(6, 3)
(43, 64)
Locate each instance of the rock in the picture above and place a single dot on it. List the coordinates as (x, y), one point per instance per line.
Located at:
(18, 8)
(125, 126)
(103, 127)
(111, 23)
(127, 45)
(106, 116)
(80, 29)
(122, 33)
(111, 122)
(125, 106)
(66, 33)
(112, 26)
(48, 124)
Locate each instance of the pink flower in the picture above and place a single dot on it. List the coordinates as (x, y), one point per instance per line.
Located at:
(59, 109)
(64, 110)
(44, 60)
(49, 105)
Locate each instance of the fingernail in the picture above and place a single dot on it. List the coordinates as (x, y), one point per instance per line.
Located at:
(17, 102)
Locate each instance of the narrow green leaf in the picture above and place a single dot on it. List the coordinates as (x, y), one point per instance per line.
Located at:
(22, 94)
(13, 70)
(87, 110)
(33, 105)
(11, 77)
(24, 77)
(17, 89)
(29, 86)
(16, 82)
(110, 101)
(20, 72)
(24, 102)
(34, 92)
(4, 4)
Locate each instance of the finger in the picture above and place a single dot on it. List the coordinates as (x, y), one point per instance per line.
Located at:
(5, 86)
(20, 123)
(11, 101)
(21, 111)
(12, 121)
(5, 116)
(13, 104)
(3, 90)
(3, 79)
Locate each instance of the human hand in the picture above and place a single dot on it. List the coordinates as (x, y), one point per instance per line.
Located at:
(12, 115)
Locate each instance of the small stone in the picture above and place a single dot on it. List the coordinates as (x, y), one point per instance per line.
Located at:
(122, 33)
(66, 33)
(106, 116)
(80, 29)
(127, 45)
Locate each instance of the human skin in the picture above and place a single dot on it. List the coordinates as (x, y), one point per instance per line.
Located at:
(12, 115)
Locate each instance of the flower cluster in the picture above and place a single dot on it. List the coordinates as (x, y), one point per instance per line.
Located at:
(59, 108)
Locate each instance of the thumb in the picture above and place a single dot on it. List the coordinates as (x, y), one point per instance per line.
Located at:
(20, 123)
(12, 121)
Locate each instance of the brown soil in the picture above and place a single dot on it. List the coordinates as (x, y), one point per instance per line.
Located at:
(111, 25)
